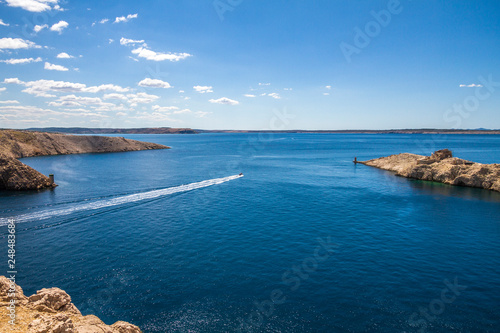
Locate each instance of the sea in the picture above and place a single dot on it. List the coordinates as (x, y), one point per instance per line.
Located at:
(303, 240)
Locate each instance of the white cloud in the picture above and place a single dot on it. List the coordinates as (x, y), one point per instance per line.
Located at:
(59, 26)
(3, 89)
(41, 88)
(288, 89)
(73, 100)
(13, 80)
(64, 55)
(184, 111)
(249, 95)
(203, 89)
(104, 20)
(39, 28)
(202, 114)
(65, 103)
(125, 19)
(34, 5)
(16, 43)
(174, 110)
(103, 87)
(142, 52)
(154, 83)
(52, 67)
(111, 40)
(21, 61)
(141, 98)
(326, 94)
(328, 87)
(274, 95)
(3, 23)
(126, 41)
(134, 59)
(471, 85)
(115, 96)
(164, 108)
(224, 100)
(264, 84)
(9, 102)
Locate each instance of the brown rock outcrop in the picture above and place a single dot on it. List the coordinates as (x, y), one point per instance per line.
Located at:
(51, 311)
(441, 167)
(20, 144)
(15, 175)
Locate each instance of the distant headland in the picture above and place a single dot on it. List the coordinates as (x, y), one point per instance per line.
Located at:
(389, 131)
(171, 130)
(86, 130)
(15, 175)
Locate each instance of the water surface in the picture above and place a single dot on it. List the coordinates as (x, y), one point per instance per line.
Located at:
(210, 259)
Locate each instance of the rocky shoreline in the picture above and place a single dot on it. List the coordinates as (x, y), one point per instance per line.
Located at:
(441, 167)
(49, 310)
(14, 175)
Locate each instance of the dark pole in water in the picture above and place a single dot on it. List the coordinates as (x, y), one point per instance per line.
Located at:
(51, 178)
(355, 160)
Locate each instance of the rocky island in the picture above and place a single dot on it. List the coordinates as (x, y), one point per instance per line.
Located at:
(14, 175)
(49, 310)
(441, 167)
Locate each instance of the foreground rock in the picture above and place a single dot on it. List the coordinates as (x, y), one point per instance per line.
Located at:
(441, 167)
(15, 175)
(51, 311)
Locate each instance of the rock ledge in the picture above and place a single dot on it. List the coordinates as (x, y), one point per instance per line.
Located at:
(51, 311)
(441, 167)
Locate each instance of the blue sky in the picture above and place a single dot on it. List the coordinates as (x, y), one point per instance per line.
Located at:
(241, 64)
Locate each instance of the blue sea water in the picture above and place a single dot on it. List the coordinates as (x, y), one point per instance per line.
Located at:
(306, 241)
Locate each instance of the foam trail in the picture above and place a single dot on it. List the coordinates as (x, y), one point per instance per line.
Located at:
(117, 201)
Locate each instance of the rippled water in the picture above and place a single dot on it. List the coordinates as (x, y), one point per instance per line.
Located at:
(160, 239)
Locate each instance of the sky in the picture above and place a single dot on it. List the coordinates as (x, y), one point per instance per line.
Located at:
(241, 64)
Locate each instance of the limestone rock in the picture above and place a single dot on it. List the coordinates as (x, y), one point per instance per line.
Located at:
(5, 287)
(60, 323)
(52, 300)
(51, 311)
(15, 175)
(124, 327)
(442, 167)
(442, 154)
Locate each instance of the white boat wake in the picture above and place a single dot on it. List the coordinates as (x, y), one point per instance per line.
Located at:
(116, 201)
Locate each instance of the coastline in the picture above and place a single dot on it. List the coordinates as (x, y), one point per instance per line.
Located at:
(440, 167)
(15, 175)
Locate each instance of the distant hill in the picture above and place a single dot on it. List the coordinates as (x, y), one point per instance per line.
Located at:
(84, 130)
(389, 131)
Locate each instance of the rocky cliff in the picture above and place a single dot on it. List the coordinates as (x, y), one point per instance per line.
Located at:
(19, 144)
(49, 311)
(15, 175)
(441, 167)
